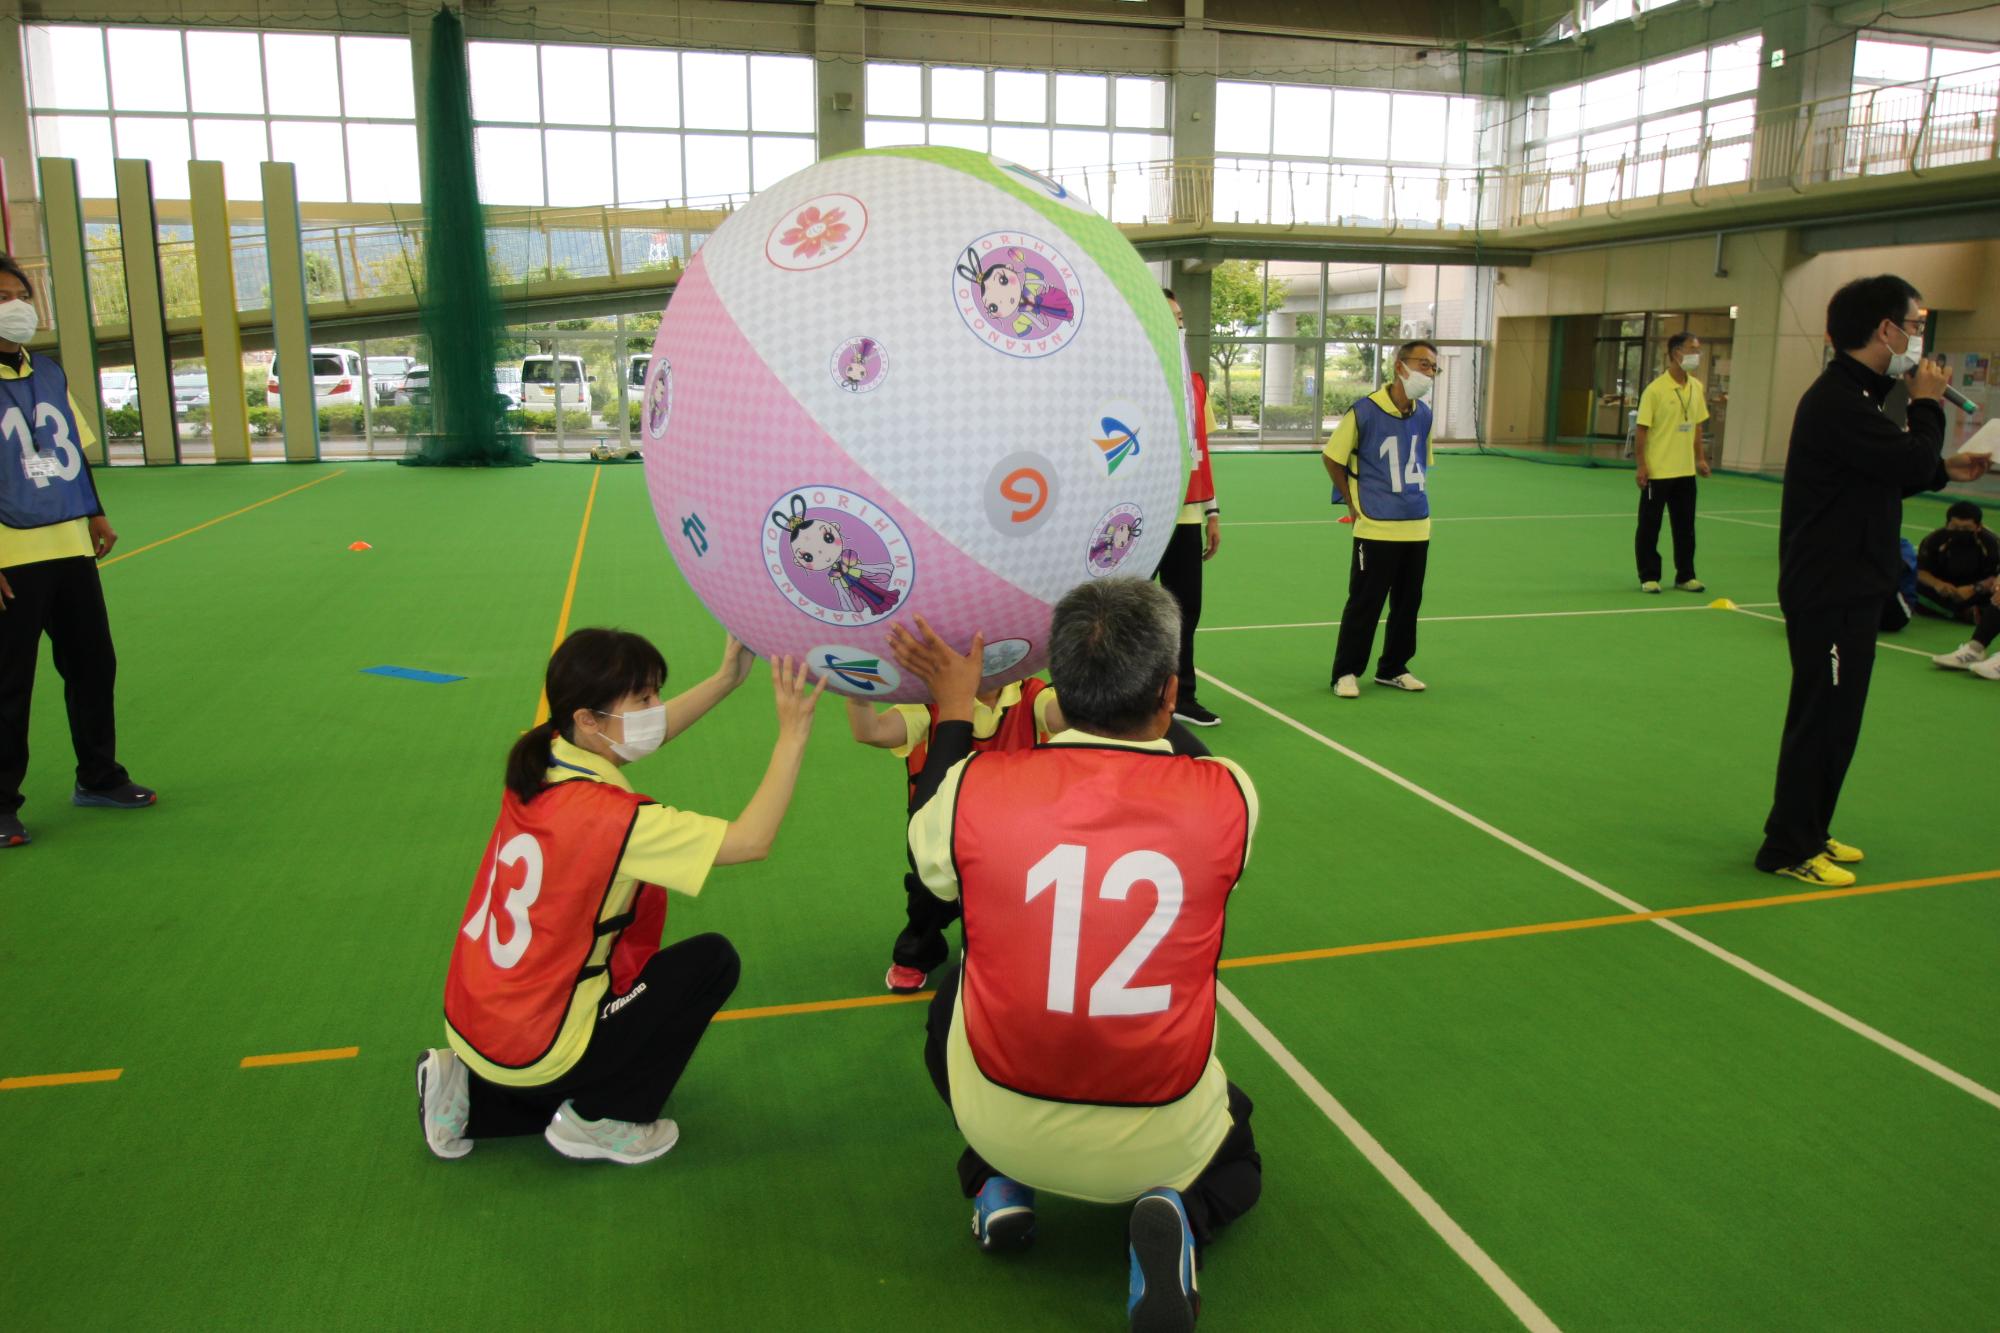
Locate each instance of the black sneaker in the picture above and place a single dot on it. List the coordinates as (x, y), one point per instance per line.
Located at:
(1194, 714)
(128, 796)
(12, 832)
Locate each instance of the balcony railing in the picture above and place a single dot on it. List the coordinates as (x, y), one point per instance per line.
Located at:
(1909, 128)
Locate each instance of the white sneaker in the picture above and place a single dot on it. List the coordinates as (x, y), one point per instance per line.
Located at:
(618, 1141)
(1650, 585)
(1347, 687)
(1990, 668)
(1406, 681)
(443, 1104)
(1962, 657)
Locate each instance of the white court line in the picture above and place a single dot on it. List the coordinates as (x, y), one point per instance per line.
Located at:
(1745, 522)
(1428, 1208)
(1510, 615)
(1879, 643)
(1741, 964)
(1477, 518)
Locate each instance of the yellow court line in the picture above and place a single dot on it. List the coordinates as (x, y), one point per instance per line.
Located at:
(57, 1080)
(569, 593)
(824, 1006)
(1261, 960)
(1591, 922)
(106, 564)
(298, 1057)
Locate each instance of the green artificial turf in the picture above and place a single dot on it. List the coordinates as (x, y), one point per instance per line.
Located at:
(1638, 1134)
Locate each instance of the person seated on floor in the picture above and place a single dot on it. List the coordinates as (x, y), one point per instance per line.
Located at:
(1975, 654)
(1075, 1041)
(1958, 566)
(573, 1022)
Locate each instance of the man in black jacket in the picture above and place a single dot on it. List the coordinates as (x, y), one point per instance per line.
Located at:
(1846, 474)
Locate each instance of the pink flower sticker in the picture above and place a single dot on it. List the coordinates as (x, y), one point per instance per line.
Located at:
(817, 232)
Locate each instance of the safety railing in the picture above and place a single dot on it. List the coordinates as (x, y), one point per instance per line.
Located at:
(1908, 128)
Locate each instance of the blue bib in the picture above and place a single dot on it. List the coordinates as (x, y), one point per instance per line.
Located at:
(43, 478)
(1388, 464)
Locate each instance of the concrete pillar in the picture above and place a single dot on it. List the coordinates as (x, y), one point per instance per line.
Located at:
(1279, 360)
(840, 45)
(69, 294)
(21, 232)
(1195, 57)
(1794, 142)
(146, 309)
(291, 334)
(221, 337)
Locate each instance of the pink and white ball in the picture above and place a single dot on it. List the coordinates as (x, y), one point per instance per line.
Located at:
(912, 380)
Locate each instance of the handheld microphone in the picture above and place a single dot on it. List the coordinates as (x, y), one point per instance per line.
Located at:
(1959, 400)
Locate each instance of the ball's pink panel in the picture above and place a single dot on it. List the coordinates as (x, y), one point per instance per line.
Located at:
(740, 455)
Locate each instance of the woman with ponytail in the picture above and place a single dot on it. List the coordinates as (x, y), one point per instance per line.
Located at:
(563, 1013)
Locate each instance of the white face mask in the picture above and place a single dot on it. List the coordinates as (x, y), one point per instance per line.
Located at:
(1903, 362)
(1691, 362)
(645, 732)
(18, 321)
(1416, 383)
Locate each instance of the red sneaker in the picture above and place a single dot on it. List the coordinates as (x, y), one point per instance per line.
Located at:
(904, 980)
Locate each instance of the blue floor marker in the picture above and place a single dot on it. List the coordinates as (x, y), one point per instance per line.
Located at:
(411, 673)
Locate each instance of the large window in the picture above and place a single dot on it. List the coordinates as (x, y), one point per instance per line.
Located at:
(582, 125)
(1295, 344)
(1091, 131)
(1913, 97)
(1297, 153)
(341, 108)
(1670, 125)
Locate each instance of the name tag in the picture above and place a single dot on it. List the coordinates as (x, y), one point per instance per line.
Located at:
(1686, 426)
(37, 466)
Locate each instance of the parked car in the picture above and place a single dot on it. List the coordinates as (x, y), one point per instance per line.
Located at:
(507, 383)
(635, 374)
(547, 379)
(337, 377)
(190, 391)
(416, 390)
(118, 388)
(386, 375)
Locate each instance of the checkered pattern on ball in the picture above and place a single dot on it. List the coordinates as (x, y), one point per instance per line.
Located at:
(996, 444)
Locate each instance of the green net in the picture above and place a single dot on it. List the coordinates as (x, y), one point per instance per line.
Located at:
(461, 314)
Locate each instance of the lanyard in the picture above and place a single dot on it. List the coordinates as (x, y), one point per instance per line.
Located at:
(574, 768)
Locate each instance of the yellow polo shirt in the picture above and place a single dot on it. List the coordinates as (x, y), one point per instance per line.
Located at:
(1672, 414)
(58, 541)
(985, 721)
(671, 848)
(1100, 1154)
(1340, 445)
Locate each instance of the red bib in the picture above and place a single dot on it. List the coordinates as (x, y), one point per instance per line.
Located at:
(1094, 880)
(1018, 730)
(1201, 477)
(531, 922)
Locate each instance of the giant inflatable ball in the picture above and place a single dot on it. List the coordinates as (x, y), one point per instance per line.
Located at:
(912, 381)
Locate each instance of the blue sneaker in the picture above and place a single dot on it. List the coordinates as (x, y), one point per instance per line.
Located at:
(1003, 1216)
(1162, 1297)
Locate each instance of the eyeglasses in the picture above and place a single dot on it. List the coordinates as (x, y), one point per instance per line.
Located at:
(1918, 329)
(1430, 368)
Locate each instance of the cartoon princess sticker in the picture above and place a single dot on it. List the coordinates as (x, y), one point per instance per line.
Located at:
(1117, 533)
(859, 365)
(1017, 294)
(659, 398)
(1014, 295)
(838, 558)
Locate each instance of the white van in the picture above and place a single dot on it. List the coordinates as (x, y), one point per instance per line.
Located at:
(337, 377)
(545, 378)
(118, 388)
(636, 375)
